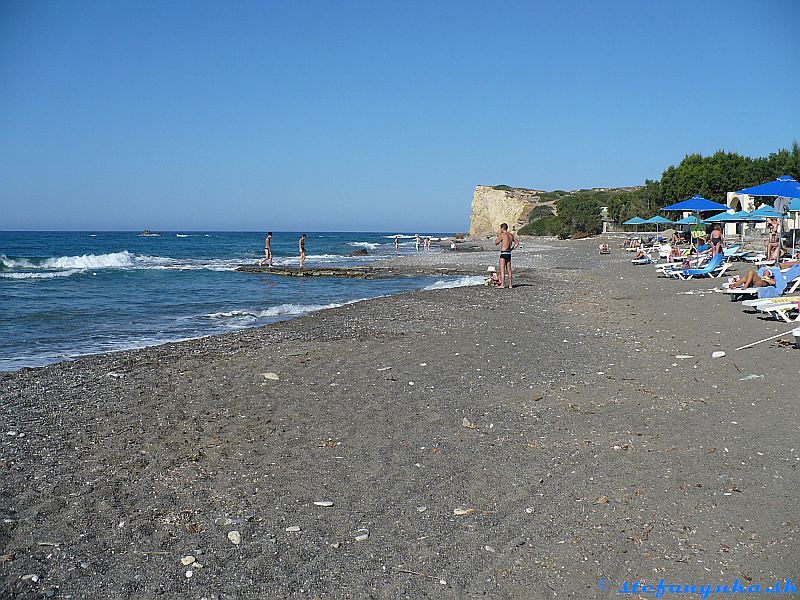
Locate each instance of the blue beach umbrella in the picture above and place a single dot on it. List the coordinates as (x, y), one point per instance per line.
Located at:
(766, 211)
(634, 221)
(782, 187)
(696, 204)
(720, 218)
(657, 220)
(690, 220)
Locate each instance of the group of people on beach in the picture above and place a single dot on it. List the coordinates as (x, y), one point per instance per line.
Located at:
(301, 246)
(418, 241)
(712, 243)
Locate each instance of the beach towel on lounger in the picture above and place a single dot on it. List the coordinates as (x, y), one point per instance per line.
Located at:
(781, 281)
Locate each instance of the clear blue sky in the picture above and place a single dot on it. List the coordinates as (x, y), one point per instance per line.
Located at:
(369, 115)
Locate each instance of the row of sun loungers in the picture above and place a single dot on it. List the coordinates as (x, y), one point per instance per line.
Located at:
(781, 301)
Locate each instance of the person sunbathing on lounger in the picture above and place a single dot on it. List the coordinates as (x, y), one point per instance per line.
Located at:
(752, 279)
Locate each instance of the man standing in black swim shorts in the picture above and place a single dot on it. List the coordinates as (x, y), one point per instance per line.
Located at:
(507, 242)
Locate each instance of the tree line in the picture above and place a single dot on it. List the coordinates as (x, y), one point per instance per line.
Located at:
(710, 176)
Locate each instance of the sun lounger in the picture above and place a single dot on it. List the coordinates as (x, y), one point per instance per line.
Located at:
(732, 252)
(782, 310)
(716, 267)
(756, 302)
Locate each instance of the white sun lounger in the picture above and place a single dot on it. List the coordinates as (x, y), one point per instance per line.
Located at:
(781, 311)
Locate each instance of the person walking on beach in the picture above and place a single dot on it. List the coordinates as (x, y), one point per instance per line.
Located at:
(302, 247)
(267, 251)
(507, 242)
(396, 244)
(416, 242)
(715, 241)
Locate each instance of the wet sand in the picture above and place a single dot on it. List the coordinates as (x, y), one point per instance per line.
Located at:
(474, 442)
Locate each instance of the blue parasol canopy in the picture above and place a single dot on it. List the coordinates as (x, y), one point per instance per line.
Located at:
(782, 187)
(690, 220)
(745, 217)
(794, 205)
(634, 221)
(721, 218)
(656, 220)
(765, 210)
(697, 204)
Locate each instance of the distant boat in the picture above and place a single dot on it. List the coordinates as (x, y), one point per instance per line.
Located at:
(148, 233)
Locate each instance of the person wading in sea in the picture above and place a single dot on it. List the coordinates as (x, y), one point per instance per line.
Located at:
(507, 242)
(302, 247)
(267, 251)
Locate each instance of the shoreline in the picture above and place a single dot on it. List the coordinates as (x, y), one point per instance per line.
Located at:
(563, 396)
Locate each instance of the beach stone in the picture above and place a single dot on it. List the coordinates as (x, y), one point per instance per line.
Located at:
(84, 565)
(187, 560)
(271, 376)
(360, 252)
(293, 528)
(489, 549)
(189, 574)
(235, 537)
(422, 509)
(335, 545)
(717, 354)
(363, 535)
(324, 503)
(49, 593)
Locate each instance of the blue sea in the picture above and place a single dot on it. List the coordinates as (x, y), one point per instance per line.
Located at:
(69, 294)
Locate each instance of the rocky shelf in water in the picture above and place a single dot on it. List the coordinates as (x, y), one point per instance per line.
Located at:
(351, 272)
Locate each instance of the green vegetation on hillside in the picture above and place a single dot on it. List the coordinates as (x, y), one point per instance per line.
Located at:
(711, 177)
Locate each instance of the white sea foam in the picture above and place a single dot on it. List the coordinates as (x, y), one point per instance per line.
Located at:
(443, 284)
(86, 261)
(367, 245)
(116, 260)
(282, 310)
(41, 275)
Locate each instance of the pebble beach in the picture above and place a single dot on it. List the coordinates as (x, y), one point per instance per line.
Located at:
(467, 442)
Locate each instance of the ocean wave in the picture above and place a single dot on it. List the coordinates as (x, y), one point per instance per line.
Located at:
(86, 261)
(367, 245)
(43, 275)
(282, 310)
(117, 260)
(444, 284)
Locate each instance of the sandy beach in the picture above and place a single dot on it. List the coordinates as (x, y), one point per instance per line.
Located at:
(471, 443)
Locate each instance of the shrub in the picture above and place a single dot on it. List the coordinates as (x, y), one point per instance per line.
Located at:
(551, 225)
